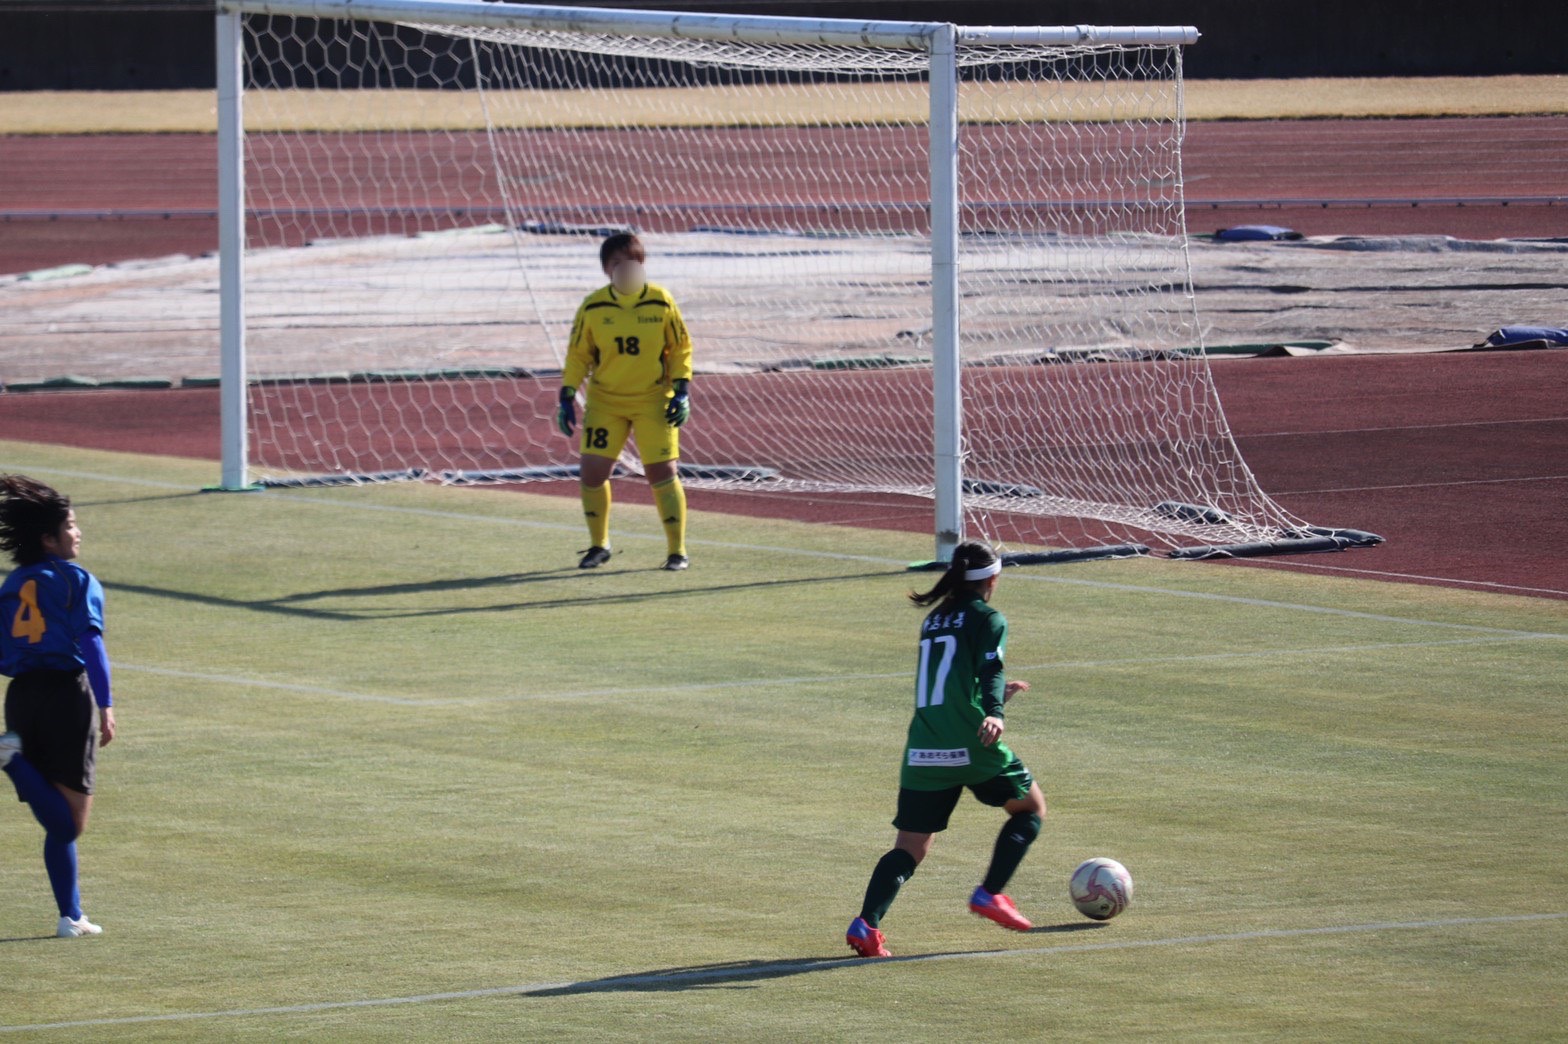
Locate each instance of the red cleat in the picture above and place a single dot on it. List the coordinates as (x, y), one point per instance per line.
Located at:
(998, 908)
(865, 940)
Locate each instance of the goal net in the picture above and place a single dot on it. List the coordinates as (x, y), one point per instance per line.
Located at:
(425, 185)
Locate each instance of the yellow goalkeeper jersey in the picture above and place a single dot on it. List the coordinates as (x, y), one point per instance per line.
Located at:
(628, 347)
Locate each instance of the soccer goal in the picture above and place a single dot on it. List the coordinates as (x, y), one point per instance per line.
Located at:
(916, 259)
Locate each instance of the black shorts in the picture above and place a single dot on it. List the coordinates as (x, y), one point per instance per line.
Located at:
(54, 713)
(927, 811)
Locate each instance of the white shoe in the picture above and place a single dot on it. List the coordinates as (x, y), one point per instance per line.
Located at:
(10, 747)
(72, 928)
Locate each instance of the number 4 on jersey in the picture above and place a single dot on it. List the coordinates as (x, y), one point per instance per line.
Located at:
(29, 623)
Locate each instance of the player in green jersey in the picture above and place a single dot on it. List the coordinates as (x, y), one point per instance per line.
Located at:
(955, 742)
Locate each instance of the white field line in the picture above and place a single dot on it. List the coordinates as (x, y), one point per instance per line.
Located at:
(344, 503)
(1264, 603)
(777, 969)
(251, 681)
(1489, 586)
(96, 476)
(247, 681)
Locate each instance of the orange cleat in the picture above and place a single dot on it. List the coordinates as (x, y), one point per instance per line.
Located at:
(998, 908)
(865, 940)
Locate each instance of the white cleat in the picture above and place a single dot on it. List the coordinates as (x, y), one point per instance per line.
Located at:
(10, 747)
(72, 928)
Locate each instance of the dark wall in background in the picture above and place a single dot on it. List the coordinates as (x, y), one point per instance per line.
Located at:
(72, 48)
(129, 44)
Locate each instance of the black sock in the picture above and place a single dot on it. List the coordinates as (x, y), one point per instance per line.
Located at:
(1018, 833)
(892, 871)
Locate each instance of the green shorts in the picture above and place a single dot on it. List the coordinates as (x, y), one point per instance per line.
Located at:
(927, 811)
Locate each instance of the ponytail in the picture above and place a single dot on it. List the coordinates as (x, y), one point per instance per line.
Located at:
(967, 556)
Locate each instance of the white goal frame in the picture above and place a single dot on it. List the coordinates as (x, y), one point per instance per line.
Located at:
(938, 40)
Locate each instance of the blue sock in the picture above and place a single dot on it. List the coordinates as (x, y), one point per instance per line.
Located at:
(53, 813)
(49, 806)
(60, 861)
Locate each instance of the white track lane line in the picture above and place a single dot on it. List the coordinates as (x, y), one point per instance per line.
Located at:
(1403, 427)
(779, 969)
(1420, 485)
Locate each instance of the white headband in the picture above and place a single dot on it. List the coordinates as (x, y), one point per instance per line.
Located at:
(984, 572)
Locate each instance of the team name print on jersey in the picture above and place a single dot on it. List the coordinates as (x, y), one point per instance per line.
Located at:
(944, 621)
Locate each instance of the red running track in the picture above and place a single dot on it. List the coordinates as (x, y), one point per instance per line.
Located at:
(1460, 460)
(156, 192)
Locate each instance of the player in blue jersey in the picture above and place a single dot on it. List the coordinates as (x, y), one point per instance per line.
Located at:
(58, 707)
(954, 744)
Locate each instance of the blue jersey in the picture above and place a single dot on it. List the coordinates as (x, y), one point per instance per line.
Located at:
(46, 610)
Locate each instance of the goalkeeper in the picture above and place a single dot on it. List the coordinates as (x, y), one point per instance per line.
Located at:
(630, 345)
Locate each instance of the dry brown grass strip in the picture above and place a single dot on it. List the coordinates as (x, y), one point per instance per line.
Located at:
(103, 112)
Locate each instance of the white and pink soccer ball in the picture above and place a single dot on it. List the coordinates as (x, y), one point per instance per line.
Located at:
(1100, 888)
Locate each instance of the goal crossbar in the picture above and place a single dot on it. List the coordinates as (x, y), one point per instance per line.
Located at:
(760, 29)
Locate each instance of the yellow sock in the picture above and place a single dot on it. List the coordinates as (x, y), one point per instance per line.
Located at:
(596, 510)
(670, 498)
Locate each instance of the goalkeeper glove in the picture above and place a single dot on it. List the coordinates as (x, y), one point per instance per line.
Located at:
(566, 411)
(678, 411)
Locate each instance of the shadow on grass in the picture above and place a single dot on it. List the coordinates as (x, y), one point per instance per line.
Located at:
(729, 975)
(29, 938)
(1068, 926)
(148, 499)
(736, 974)
(457, 583)
(296, 604)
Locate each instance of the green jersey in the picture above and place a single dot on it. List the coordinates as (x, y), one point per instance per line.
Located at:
(958, 683)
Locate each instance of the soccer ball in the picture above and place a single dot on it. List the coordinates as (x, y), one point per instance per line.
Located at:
(1100, 888)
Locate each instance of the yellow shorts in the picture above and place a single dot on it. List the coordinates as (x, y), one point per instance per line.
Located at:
(605, 429)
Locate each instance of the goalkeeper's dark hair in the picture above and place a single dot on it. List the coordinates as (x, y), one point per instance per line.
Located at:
(29, 511)
(966, 556)
(623, 241)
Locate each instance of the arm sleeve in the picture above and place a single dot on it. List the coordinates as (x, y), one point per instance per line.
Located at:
(91, 647)
(992, 682)
(579, 352)
(677, 345)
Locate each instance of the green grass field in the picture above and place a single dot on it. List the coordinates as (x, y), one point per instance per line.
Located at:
(391, 768)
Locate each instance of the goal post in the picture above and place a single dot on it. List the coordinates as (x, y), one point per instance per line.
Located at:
(917, 259)
(946, 370)
(233, 380)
